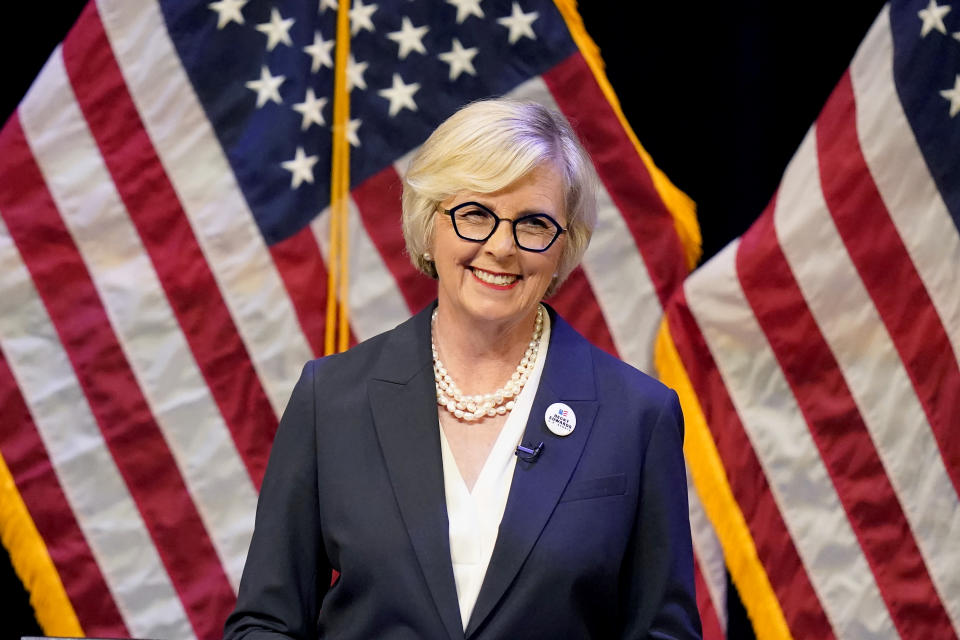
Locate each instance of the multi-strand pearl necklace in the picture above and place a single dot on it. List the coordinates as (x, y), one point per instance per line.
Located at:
(500, 402)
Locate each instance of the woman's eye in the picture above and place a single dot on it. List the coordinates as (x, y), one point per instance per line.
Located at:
(472, 214)
(535, 224)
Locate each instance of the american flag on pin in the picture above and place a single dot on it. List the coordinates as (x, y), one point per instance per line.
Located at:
(164, 244)
(817, 358)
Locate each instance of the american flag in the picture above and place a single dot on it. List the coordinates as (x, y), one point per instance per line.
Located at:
(163, 240)
(817, 358)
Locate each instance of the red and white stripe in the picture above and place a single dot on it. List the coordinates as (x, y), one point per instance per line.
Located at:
(130, 430)
(831, 331)
(105, 514)
(139, 313)
(775, 548)
(782, 441)
(198, 170)
(149, 337)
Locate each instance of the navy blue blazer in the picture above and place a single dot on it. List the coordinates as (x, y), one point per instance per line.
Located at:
(594, 541)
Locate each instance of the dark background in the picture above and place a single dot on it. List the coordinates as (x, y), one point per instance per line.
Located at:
(719, 93)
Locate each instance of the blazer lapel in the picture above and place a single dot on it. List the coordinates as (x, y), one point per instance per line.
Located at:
(403, 400)
(536, 487)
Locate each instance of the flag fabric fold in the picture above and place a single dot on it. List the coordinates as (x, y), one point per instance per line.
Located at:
(164, 243)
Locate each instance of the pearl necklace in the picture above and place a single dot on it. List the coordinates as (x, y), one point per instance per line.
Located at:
(500, 402)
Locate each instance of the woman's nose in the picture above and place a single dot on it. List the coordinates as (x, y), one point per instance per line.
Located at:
(502, 241)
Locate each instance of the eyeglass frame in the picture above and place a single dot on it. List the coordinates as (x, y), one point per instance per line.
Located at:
(513, 224)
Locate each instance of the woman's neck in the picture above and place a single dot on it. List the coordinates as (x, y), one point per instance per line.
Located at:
(481, 356)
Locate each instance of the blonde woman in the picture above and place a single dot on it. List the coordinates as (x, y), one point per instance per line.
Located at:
(481, 470)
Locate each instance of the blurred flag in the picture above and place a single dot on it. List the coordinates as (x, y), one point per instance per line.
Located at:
(163, 233)
(817, 358)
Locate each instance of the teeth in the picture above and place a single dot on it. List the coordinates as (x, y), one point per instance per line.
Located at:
(493, 278)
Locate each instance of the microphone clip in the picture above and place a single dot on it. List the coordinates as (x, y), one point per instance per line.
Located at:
(527, 454)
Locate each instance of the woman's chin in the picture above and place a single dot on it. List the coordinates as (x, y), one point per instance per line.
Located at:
(493, 311)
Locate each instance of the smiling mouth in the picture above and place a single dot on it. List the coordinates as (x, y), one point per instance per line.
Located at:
(495, 279)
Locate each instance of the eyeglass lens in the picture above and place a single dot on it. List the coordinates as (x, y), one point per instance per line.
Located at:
(533, 232)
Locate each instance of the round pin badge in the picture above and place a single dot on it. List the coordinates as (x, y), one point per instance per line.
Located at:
(560, 419)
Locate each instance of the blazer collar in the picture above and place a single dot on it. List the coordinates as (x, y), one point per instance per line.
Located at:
(403, 401)
(537, 486)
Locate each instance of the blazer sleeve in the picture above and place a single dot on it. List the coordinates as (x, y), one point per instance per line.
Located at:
(657, 574)
(287, 572)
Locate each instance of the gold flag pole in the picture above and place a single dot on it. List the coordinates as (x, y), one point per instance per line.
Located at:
(337, 330)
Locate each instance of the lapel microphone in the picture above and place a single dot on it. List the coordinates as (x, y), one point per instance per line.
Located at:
(527, 454)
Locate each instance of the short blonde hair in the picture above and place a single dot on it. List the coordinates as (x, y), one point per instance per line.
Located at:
(485, 147)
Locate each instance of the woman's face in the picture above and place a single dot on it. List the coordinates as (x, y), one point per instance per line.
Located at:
(496, 281)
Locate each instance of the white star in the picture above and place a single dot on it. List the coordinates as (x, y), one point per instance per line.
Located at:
(267, 87)
(300, 168)
(277, 30)
(320, 52)
(466, 8)
(310, 109)
(352, 126)
(355, 72)
(932, 18)
(519, 23)
(410, 38)
(459, 59)
(228, 11)
(953, 95)
(956, 35)
(360, 17)
(400, 95)
(328, 4)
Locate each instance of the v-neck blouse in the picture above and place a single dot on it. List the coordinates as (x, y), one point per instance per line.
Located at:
(475, 516)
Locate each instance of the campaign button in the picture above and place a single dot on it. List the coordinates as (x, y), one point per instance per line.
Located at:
(560, 419)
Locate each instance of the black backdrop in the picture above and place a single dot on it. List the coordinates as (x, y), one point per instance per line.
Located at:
(720, 94)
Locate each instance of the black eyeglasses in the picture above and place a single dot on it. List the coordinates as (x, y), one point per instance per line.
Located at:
(533, 232)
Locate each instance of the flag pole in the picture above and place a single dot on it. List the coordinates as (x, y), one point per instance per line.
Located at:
(337, 331)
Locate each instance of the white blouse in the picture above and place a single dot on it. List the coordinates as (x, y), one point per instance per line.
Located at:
(475, 516)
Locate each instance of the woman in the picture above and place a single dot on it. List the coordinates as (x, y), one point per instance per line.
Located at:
(480, 471)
